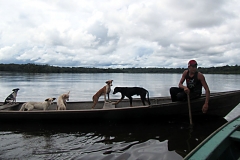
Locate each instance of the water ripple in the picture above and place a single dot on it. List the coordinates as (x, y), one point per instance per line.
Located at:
(115, 141)
(73, 146)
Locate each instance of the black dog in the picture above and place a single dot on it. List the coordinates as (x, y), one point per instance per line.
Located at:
(12, 97)
(130, 91)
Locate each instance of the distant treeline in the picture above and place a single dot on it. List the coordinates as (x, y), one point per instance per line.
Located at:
(36, 68)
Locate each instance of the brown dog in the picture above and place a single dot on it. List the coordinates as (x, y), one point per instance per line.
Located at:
(103, 91)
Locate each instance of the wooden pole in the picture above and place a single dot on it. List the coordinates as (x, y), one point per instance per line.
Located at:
(189, 109)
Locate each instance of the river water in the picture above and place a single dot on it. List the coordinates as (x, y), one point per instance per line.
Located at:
(159, 140)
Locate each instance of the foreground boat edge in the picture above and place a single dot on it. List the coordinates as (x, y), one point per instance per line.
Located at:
(216, 144)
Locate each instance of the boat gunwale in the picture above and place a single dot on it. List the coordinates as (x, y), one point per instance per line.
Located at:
(76, 110)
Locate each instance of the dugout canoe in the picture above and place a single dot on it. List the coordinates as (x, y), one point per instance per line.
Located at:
(220, 104)
(224, 143)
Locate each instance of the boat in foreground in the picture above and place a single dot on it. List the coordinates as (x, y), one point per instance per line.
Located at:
(220, 104)
(224, 143)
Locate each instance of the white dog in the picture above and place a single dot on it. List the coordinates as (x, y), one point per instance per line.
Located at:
(62, 101)
(12, 97)
(37, 105)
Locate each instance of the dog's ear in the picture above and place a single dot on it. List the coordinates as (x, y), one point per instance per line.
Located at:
(68, 92)
(47, 99)
(15, 89)
(54, 99)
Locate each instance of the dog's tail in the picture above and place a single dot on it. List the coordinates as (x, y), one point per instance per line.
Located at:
(148, 98)
(23, 107)
(5, 102)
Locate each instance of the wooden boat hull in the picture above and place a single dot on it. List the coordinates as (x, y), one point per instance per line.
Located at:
(220, 105)
(224, 143)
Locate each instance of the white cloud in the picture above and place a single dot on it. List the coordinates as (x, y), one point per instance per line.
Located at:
(124, 33)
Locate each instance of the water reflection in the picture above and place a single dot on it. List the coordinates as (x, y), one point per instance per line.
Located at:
(129, 141)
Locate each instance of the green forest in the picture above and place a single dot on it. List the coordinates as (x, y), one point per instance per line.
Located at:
(36, 68)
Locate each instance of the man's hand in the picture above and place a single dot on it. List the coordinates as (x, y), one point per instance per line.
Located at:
(186, 90)
(205, 108)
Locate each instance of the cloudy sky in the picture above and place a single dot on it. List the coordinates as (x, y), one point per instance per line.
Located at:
(116, 34)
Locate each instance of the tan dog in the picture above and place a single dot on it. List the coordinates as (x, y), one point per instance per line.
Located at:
(37, 105)
(62, 101)
(103, 91)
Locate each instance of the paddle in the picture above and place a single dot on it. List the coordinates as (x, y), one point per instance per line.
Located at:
(189, 109)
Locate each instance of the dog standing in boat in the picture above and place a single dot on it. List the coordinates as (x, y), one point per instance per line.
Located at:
(37, 105)
(103, 91)
(62, 101)
(12, 97)
(130, 91)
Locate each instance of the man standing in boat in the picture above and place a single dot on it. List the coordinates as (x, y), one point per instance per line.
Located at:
(195, 81)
